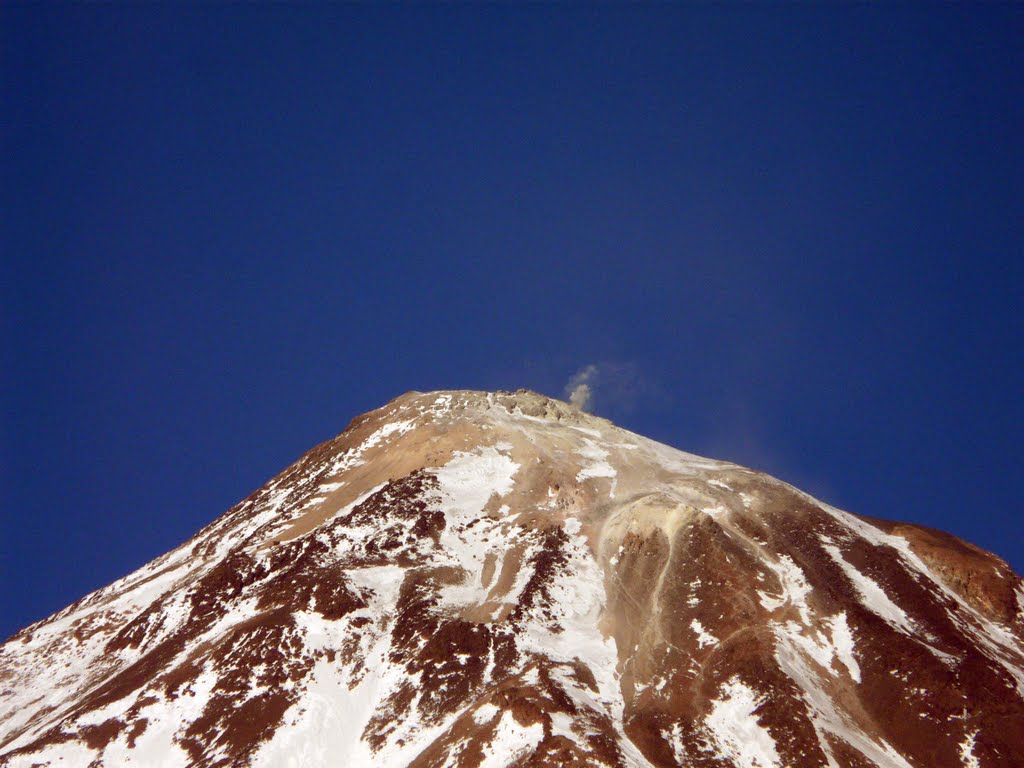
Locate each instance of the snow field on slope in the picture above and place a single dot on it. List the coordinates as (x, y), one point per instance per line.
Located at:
(734, 730)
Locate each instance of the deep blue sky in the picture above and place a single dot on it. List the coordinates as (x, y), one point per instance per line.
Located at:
(788, 237)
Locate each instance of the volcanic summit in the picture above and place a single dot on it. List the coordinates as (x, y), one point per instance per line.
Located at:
(474, 579)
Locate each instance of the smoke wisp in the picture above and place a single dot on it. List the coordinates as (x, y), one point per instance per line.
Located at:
(579, 391)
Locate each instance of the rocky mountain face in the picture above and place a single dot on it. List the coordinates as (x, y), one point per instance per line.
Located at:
(496, 579)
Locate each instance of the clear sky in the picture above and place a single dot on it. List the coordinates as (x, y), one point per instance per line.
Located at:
(788, 237)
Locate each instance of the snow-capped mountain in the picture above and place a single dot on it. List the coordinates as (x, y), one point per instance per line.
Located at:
(495, 579)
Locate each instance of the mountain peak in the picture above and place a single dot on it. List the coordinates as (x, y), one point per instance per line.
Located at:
(524, 402)
(468, 578)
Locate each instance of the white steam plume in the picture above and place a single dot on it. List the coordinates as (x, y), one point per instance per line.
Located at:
(578, 391)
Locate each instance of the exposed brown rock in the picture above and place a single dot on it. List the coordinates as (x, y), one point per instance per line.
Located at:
(465, 577)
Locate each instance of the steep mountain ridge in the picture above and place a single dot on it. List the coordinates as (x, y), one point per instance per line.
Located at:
(470, 578)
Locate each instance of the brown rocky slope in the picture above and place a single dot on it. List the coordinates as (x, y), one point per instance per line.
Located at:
(496, 579)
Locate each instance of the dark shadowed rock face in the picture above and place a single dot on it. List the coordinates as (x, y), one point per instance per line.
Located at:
(495, 579)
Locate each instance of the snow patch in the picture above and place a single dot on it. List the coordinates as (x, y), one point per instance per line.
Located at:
(822, 647)
(715, 512)
(597, 464)
(156, 746)
(967, 756)
(795, 588)
(469, 480)
(511, 741)
(69, 753)
(825, 716)
(571, 634)
(675, 739)
(336, 706)
(842, 643)
(704, 638)
(872, 596)
(997, 641)
(467, 483)
(485, 714)
(386, 431)
(735, 731)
